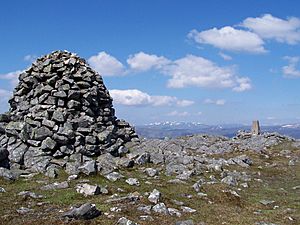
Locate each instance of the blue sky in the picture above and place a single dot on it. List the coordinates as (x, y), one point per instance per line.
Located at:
(204, 61)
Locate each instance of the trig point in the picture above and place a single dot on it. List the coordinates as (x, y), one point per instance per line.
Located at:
(255, 130)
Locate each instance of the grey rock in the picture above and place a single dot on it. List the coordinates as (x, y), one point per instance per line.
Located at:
(48, 144)
(160, 208)
(58, 116)
(24, 210)
(187, 209)
(7, 174)
(155, 196)
(145, 209)
(174, 212)
(29, 194)
(125, 221)
(42, 133)
(86, 211)
(267, 202)
(88, 168)
(114, 176)
(151, 172)
(230, 180)
(55, 186)
(132, 182)
(142, 159)
(2, 190)
(87, 189)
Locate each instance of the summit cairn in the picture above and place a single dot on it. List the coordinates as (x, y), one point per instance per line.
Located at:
(60, 112)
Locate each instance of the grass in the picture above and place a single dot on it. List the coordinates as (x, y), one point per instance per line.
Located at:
(218, 207)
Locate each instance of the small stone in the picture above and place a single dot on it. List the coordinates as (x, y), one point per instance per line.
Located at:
(154, 196)
(229, 180)
(151, 172)
(125, 221)
(187, 209)
(87, 189)
(58, 116)
(56, 185)
(60, 94)
(160, 208)
(29, 194)
(48, 144)
(24, 210)
(145, 209)
(88, 168)
(2, 190)
(114, 176)
(85, 211)
(174, 212)
(133, 182)
(267, 202)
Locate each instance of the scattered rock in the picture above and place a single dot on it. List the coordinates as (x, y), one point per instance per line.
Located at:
(160, 208)
(85, 211)
(114, 176)
(151, 172)
(87, 189)
(154, 196)
(29, 194)
(56, 185)
(24, 210)
(187, 209)
(133, 182)
(125, 221)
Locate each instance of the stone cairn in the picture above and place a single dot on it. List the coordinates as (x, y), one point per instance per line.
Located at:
(60, 112)
(255, 130)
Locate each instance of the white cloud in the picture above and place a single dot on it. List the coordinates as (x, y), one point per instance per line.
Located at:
(270, 27)
(4, 97)
(197, 71)
(229, 38)
(134, 97)
(176, 113)
(225, 56)
(143, 62)
(215, 102)
(13, 77)
(106, 65)
(30, 58)
(291, 69)
(184, 103)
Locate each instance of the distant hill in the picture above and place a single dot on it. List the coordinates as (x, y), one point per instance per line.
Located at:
(176, 129)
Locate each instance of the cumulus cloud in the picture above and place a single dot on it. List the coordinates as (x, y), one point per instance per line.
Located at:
(188, 71)
(12, 77)
(176, 113)
(225, 56)
(142, 61)
(291, 69)
(229, 38)
(200, 72)
(270, 27)
(215, 102)
(134, 97)
(106, 65)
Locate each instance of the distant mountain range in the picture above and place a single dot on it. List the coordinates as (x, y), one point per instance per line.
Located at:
(176, 129)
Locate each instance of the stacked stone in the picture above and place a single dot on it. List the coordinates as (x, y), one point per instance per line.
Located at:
(60, 108)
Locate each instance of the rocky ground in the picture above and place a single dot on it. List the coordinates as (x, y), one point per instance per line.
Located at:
(197, 179)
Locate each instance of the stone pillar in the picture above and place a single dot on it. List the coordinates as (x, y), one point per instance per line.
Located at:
(255, 130)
